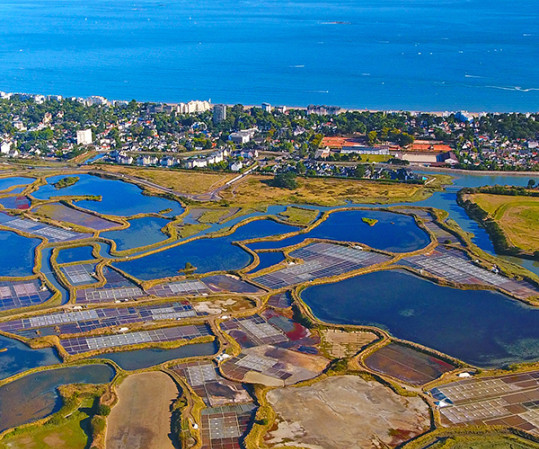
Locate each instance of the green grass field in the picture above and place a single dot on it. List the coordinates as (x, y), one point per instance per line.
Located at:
(518, 216)
(188, 230)
(212, 216)
(299, 215)
(70, 434)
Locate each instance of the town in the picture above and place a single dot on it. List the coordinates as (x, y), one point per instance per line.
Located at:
(312, 141)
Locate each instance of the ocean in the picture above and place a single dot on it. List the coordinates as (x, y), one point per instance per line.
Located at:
(431, 55)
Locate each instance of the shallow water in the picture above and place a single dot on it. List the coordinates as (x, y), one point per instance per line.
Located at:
(15, 202)
(61, 212)
(19, 357)
(144, 358)
(206, 254)
(46, 269)
(17, 254)
(35, 396)
(392, 232)
(118, 197)
(483, 328)
(447, 200)
(76, 254)
(269, 259)
(6, 183)
(141, 232)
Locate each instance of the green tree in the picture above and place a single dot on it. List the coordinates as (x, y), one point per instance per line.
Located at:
(372, 136)
(360, 171)
(285, 181)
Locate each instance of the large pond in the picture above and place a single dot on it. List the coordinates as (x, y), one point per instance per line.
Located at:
(392, 232)
(6, 183)
(144, 358)
(75, 254)
(17, 254)
(207, 254)
(35, 396)
(483, 328)
(118, 197)
(18, 357)
(141, 232)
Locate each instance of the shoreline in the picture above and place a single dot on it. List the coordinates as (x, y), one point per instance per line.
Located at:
(343, 109)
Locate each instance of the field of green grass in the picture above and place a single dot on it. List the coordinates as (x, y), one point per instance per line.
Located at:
(212, 216)
(189, 230)
(71, 433)
(518, 217)
(299, 215)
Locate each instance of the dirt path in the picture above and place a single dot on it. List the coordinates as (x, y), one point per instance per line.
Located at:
(141, 419)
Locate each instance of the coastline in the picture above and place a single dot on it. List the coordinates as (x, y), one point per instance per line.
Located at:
(342, 109)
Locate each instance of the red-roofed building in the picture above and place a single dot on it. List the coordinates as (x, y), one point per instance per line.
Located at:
(429, 146)
(333, 142)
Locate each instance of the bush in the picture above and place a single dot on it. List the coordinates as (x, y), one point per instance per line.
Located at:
(285, 181)
(103, 410)
(98, 425)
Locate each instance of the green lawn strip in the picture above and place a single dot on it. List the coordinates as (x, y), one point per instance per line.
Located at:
(212, 216)
(299, 215)
(188, 230)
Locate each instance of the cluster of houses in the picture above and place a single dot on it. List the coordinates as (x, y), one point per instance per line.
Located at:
(233, 160)
(137, 136)
(497, 153)
(328, 169)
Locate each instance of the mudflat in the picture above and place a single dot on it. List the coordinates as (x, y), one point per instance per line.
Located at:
(141, 419)
(345, 412)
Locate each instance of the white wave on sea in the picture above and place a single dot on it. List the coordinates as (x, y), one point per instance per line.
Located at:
(473, 76)
(514, 88)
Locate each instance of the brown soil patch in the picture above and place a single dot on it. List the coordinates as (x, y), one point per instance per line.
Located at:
(340, 343)
(190, 182)
(345, 412)
(141, 419)
(407, 364)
